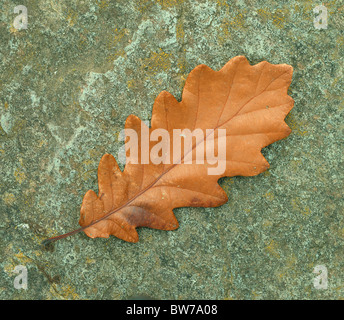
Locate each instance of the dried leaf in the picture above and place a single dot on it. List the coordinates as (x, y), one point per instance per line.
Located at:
(249, 102)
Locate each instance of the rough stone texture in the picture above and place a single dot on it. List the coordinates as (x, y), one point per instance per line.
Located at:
(68, 83)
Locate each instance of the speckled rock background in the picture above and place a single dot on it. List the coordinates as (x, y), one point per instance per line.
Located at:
(67, 84)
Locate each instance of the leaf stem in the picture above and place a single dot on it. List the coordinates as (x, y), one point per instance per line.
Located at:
(53, 239)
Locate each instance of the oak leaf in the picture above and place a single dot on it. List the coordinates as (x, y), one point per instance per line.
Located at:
(249, 102)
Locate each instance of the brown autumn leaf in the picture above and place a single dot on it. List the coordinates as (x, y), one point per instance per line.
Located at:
(249, 102)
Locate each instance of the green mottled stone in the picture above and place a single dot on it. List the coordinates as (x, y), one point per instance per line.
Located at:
(67, 84)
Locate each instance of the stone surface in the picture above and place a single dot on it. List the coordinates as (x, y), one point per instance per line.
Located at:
(67, 84)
